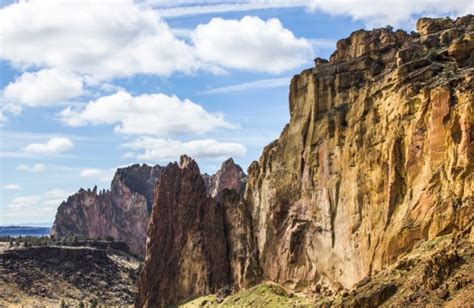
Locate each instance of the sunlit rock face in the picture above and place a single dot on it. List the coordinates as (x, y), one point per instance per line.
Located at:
(377, 156)
(121, 212)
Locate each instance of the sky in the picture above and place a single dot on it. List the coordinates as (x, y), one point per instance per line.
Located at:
(89, 86)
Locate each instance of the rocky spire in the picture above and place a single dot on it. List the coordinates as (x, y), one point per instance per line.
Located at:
(186, 251)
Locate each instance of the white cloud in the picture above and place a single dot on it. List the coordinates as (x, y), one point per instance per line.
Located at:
(43, 206)
(250, 44)
(392, 12)
(12, 187)
(165, 150)
(100, 174)
(51, 198)
(169, 10)
(129, 155)
(42, 88)
(155, 114)
(103, 39)
(372, 13)
(32, 168)
(51, 147)
(254, 85)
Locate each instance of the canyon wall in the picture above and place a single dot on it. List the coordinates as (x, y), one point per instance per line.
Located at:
(121, 212)
(187, 248)
(377, 156)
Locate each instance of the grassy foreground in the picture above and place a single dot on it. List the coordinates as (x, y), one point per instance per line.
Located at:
(262, 295)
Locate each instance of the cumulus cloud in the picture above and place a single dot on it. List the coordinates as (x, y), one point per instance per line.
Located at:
(12, 187)
(391, 12)
(81, 37)
(100, 174)
(51, 147)
(45, 87)
(158, 149)
(98, 38)
(250, 44)
(32, 168)
(155, 114)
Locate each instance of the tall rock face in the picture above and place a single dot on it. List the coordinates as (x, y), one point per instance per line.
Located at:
(186, 251)
(200, 237)
(377, 156)
(242, 247)
(121, 212)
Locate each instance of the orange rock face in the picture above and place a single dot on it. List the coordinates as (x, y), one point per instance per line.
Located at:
(376, 158)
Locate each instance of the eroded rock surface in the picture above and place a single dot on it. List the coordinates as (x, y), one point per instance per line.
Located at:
(376, 159)
(229, 176)
(377, 156)
(187, 247)
(44, 276)
(121, 212)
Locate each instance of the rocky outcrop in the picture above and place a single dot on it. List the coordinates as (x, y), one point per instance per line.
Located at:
(376, 159)
(51, 274)
(187, 247)
(121, 212)
(377, 156)
(200, 237)
(229, 176)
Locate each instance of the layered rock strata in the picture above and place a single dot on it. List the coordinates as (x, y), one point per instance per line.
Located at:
(377, 156)
(121, 212)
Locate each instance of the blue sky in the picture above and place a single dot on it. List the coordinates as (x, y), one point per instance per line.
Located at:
(87, 87)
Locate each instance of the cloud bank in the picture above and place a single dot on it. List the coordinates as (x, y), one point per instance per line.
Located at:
(157, 149)
(154, 114)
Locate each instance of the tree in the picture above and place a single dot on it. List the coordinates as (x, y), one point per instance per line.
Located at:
(93, 303)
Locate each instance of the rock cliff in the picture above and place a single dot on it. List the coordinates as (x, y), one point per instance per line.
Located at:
(200, 237)
(187, 246)
(229, 176)
(121, 212)
(377, 156)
